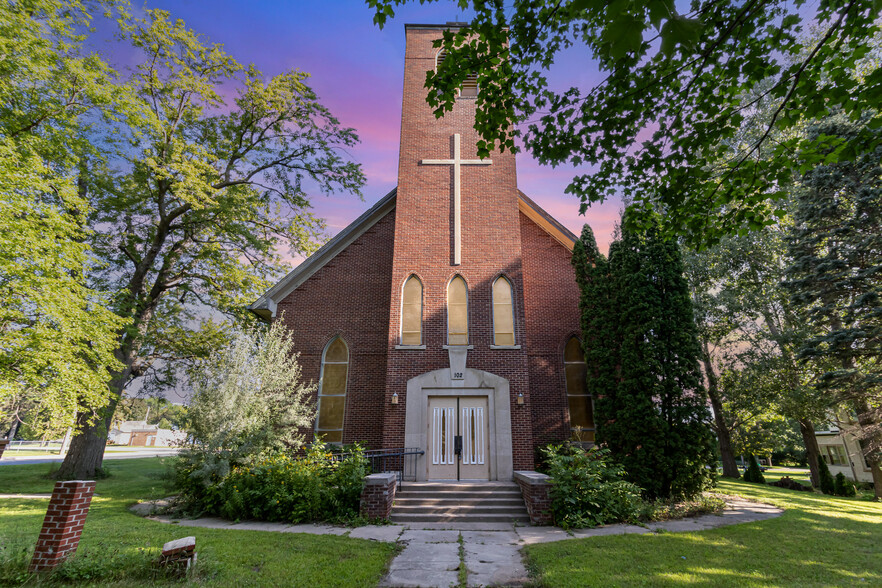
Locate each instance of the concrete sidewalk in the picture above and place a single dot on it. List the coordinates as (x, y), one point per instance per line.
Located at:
(490, 551)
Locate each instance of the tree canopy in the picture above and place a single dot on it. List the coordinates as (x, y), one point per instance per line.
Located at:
(56, 333)
(661, 128)
(160, 189)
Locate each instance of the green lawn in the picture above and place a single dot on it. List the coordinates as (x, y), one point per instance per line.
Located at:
(118, 548)
(776, 473)
(818, 541)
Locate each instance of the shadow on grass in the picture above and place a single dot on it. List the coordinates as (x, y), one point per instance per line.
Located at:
(819, 540)
(119, 548)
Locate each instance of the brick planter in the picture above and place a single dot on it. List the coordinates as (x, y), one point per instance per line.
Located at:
(63, 524)
(377, 496)
(4, 443)
(536, 490)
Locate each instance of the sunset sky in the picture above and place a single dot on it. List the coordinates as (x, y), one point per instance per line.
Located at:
(357, 71)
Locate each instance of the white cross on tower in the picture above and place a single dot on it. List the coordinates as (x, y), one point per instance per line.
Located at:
(456, 162)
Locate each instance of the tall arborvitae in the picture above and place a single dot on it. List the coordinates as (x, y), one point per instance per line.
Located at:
(642, 355)
(599, 335)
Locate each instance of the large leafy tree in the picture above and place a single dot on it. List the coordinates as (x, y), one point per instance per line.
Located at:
(56, 334)
(196, 203)
(749, 327)
(836, 278)
(642, 355)
(662, 125)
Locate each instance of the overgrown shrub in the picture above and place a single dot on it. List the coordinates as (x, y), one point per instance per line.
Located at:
(588, 489)
(753, 472)
(249, 405)
(828, 485)
(320, 486)
(790, 484)
(842, 486)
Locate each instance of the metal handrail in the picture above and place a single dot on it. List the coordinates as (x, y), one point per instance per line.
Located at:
(400, 461)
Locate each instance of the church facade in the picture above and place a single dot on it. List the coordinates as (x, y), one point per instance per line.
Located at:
(445, 317)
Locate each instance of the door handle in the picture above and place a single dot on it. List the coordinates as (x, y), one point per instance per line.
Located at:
(457, 445)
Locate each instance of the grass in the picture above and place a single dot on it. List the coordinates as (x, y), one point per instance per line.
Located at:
(119, 548)
(776, 473)
(818, 541)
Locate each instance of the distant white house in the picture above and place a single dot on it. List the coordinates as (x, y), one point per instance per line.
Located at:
(842, 452)
(141, 434)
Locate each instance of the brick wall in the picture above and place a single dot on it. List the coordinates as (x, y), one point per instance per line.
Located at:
(424, 245)
(536, 490)
(63, 524)
(349, 297)
(378, 495)
(552, 317)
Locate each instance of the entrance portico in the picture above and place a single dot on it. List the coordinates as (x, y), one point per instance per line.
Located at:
(436, 403)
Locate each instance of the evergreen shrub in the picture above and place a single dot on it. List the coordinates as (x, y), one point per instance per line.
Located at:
(588, 489)
(753, 472)
(842, 486)
(828, 485)
(790, 484)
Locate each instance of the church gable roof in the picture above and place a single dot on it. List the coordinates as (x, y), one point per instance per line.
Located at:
(265, 306)
(546, 222)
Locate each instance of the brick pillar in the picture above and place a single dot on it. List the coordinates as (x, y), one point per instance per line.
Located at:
(4, 443)
(63, 523)
(536, 490)
(377, 495)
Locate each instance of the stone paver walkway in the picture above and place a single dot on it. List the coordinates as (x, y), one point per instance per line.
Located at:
(491, 551)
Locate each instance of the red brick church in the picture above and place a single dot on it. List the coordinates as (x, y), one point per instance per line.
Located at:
(446, 316)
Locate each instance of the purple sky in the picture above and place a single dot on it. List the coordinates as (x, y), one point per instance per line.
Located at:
(357, 71)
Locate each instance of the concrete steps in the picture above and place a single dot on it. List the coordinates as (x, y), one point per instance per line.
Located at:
(459, 502)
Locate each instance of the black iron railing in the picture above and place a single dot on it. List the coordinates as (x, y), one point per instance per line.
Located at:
(400, 461)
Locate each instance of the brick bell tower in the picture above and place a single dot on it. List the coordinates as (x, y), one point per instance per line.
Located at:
(456, 217)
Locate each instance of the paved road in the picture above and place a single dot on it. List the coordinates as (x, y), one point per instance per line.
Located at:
(25, 459)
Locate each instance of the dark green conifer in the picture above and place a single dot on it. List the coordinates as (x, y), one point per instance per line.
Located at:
(842, 486)
(642, 356)
(828, 485)
(753, 472)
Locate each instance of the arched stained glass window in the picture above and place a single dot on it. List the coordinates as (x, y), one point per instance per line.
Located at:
(580, 405)
(503, 313)
(412, 312)
(457, 312)
(332, 391)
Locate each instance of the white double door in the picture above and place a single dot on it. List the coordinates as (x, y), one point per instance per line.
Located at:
(458, 438)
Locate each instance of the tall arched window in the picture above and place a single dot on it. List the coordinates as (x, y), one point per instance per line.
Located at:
(581, 408)
(412, 312)
(503, 313)
(457, 312)
(332, 391)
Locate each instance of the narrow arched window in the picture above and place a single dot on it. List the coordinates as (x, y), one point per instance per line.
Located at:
(503, 313)
(412, 312)
(578, 399)
(332, 391)
(457, 312)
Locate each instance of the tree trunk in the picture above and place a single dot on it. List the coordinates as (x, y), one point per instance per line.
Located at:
(865, 420)
(86, 454)
(812, 451)
(730, 467)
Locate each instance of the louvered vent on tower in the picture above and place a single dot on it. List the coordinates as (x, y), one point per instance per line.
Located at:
(469, 88)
